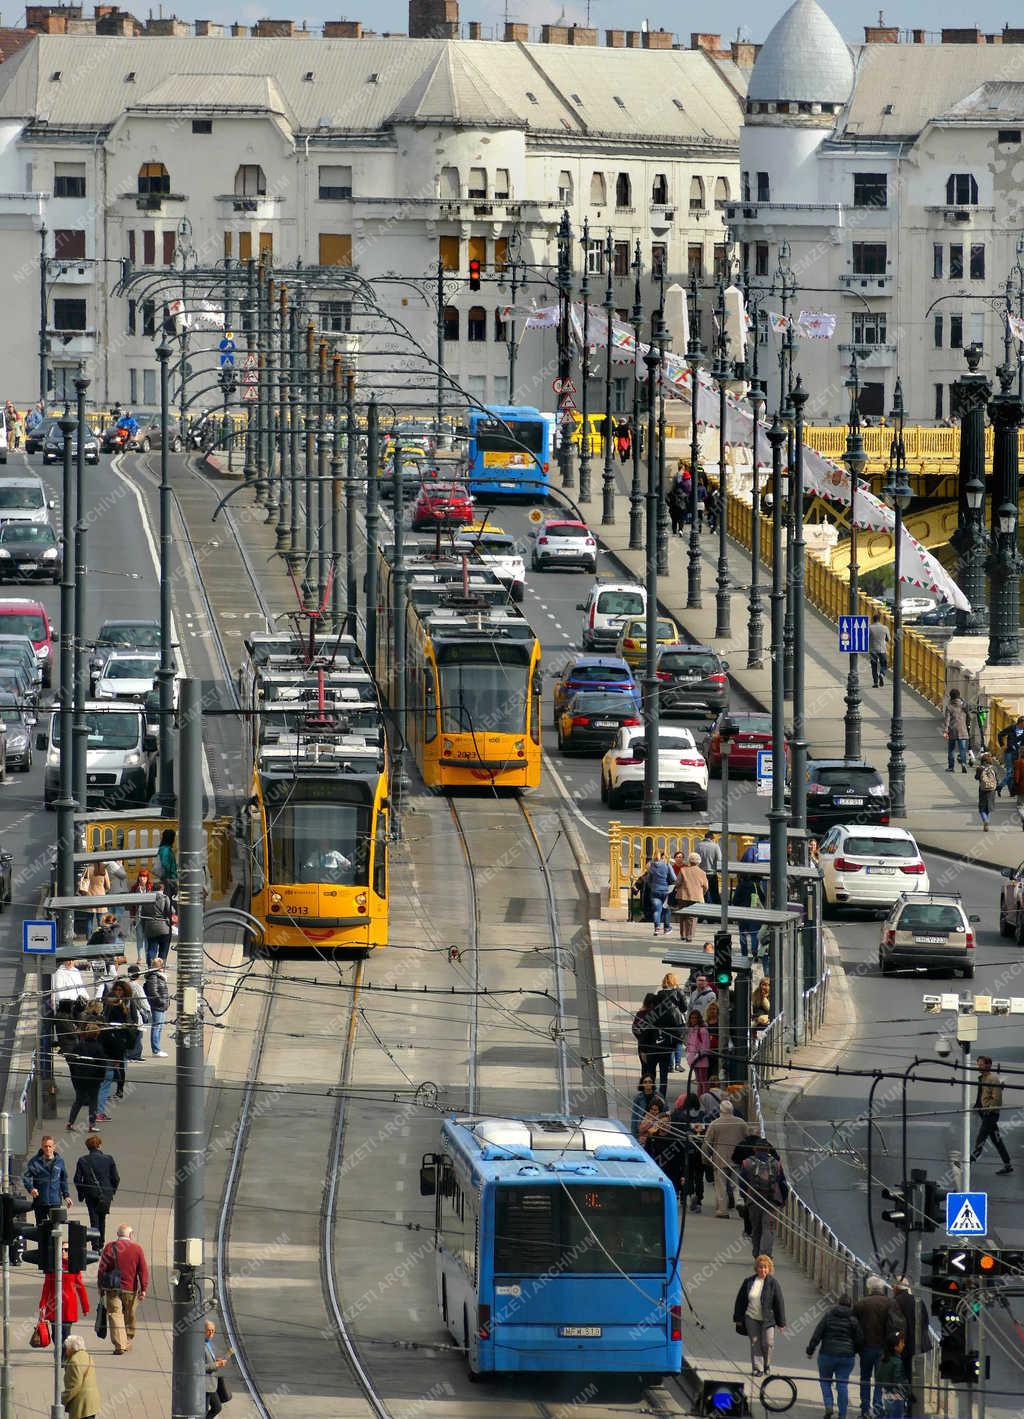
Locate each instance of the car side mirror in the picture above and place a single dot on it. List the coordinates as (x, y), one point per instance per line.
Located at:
(428, 1180)
(42, 741)
(1007, 872)
(640, 752)
(581, 605)
(725, 665)
(150, 740)
(974, 920)
(52, 503)
(3, 727)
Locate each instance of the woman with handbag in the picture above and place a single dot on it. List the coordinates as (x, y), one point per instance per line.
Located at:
(760, 1310)
(81, 1393)
(74, 1300)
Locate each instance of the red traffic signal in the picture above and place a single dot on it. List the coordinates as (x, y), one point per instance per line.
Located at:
(474, 275)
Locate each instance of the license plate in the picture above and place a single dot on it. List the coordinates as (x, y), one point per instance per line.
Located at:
(850, 802)
(883, 871)
(930, 940)
(605, 724)
(580, 1332)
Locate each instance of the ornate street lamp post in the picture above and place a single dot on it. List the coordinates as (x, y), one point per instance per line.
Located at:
(694, 355)
(1004, 562)
(722, 373)
(585, 367)
(969, 400)
(755, 627)
(897, 494)
(855, 459)
(608, 476)
(636, 498)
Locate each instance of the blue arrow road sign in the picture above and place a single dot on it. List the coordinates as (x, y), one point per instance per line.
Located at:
(966, 1214)
(39, 938)
(853, 635)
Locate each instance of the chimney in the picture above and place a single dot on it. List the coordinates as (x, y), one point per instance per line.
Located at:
(433, 19)
(208, 29)
(634, 39)
(881, 34)
(167, 26)
(343, 29)
(516, 33)
(712, 43)
(615, 39)
(583, 35)
(658, 39)
(554, 34)
(971, 36)
(239, 31)
(918, 36)
(1012, 36)
(274, 29)
(744, 53)
(474, 29)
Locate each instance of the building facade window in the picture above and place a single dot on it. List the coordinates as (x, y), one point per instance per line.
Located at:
(335, 249)
(476, 324)
(448, 253)
(477, 187)
(745, 186)
(761, 258)
(500, 386)
(872, 398)
(977, 327)
(502, 185)
(477, 250)
(764, 187)
(869, 258)
(598, 190)
(977, 261)
(620, 258)
(149, 317)
(956, 332)
(336, 316)
(69, 244)
(937, 254)
(939, 388)
(149, 248)
(451, 322)
(937, 332)
(500, 253)
(869, 327)
(870, 189)
(69, 314)
(696, 194)
(69, 179)
(956, 262)
(250, 181)
(565, 189)
(202, 126)
(721, 193)
(695, 261)
(623, 190)
(659, 190)
(595, 257)
(335, 183)
(448, 185)
(154, 180)
(721, 261)
(659, 259)
(266, 243)
(245, 246)
(131, 317)
(169, 245)
(500, 326)
(962, 189)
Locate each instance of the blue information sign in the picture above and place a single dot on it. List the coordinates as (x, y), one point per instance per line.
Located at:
(853, 635)
(39, 938)
(966, 1214)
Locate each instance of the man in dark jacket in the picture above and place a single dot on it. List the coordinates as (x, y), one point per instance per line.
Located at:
(880, 1319)
(158, 994)
(840, 1337)
(46, 1179)
(764, 1188)
(661, 1031)
(87, 1065)
(155, 917)
(97, 1180)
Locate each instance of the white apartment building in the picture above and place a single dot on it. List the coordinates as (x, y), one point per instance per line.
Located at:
(894, 172)
(387, 154)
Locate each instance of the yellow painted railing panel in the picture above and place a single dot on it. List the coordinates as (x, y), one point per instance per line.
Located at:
(120, 835)
(931, 450)
(629, 848)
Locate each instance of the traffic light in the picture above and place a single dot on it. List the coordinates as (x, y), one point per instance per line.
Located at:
(953, 1353)
(934, 1208)
(946, 1291)
(899, 1213)
(474, 275)
(723, 959)
(228, 379)
(13, 1232)
(83, 1246)
(40, 1233)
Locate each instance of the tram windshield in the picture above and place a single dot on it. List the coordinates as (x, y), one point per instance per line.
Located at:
(484, 695)
(318, 841)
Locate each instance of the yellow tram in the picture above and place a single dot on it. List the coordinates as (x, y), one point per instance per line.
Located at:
(317, 818)
(472, 668)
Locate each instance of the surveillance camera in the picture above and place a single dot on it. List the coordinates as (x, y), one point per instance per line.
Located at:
(943, 1048)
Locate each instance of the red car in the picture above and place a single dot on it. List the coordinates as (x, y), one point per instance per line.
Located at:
(755, 732)
(442, 504)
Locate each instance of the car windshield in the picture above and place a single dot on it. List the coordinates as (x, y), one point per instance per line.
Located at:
(620, 603)
(483, 697)
(107, 729)
(19, 498)
(566, 529)
(867, 845)
(598, 674)
(11, 714)
(14, 655)
(680, 660)
(669, 740)
(930, 916)
(130, 637)
(130, 669)
(753, 724)
(504, 546)
(861, 779)
(24, 623)
(589, 703)
(28, 534)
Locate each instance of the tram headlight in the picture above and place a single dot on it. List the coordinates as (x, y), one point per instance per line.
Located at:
(276, 901)
(521, 748)
(447, 745)
(360, 901)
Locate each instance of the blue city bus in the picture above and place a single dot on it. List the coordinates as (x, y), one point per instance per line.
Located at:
(509, 451)
(557, 1247)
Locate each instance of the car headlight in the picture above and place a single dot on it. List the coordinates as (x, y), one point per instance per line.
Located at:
(133, 760)
(43, 652)
(5, 554)
(17, 740)
(50, 555)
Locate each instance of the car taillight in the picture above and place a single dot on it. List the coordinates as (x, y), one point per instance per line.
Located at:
(676, 1322)
(664, 675)
(692, 763)
(817, 788)
(969, 943)
(843, 864)
(483, 1322)
(630, 723)
(581, 719)
(625, 759)
(717, 679)
(630, 643)
(593, 613)
(888, 937)
(542, 541)
(591, 542)
(913, 869)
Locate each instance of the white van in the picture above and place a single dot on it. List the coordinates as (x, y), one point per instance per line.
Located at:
(120, 770)
(609, 604)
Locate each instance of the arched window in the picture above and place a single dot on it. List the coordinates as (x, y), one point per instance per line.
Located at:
(696, 194)
(565, 189)
(476, 324)
(250, 181)
(659, 190)
(623, 190)
(477, 182)
(154, 180)
(721, 193)
(598, 190)
(448, 185)
(451, 323)
(500, 325)
(962, 189)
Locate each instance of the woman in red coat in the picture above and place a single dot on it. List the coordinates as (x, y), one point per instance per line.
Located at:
(74, 1299)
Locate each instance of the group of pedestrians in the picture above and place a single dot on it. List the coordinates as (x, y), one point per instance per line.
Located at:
(677, 1023)
(688, 878)
(152, 921)
(679, 501)
(883, 1331)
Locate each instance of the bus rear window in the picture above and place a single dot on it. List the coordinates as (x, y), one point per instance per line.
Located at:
(574, 1229)
(509, 436)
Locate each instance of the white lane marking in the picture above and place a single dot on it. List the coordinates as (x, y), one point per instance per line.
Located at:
(563, 789)
(115, 467)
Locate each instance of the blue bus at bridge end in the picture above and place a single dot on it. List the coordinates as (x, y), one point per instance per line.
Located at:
(509, 451)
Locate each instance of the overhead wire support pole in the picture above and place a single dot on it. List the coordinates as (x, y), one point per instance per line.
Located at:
(66, 804)
(855, 459)
(585, 448)
(268, 369)
(777, 812)
(694, 353)
(320, 439)
(80, 731)
(608, 476)
(253, 351)
(439, 337)
(166, 797)
(795, 571)
(723, 605)
(309, 441)
(664, 341)
(636, 498)
(372, 519)
(651, 814)
(337, 408)
(565, 452)
(351, 494)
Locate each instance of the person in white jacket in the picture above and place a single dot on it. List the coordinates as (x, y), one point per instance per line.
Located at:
(68, 984)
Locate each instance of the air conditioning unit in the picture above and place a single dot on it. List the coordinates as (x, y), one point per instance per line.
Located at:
(149, 202)
(954, 215)
(750, 213)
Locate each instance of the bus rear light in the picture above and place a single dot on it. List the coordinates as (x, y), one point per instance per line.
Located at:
(360, 901)
(483, 1322)
(545, 467)
(520, 747)
(676, 1322)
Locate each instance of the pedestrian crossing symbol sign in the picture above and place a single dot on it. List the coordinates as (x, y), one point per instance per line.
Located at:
(966, 1214)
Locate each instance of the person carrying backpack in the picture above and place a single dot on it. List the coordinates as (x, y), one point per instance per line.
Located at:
(988, 781)
(764, 1187)
(659, 1034)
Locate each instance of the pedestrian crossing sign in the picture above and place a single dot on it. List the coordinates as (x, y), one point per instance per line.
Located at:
(966, 1214)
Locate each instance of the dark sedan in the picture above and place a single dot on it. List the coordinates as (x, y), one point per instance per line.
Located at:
(29, 551)
(34, 440)
(591, 720)
(845, 791)
(692, 679)
(53, 446)
(593, 672)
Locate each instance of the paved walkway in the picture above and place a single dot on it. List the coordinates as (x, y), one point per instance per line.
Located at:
(941, 807)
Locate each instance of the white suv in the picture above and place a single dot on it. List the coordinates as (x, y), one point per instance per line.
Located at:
(682, 772)
(868, 865)
(608, 606)
(563, 542)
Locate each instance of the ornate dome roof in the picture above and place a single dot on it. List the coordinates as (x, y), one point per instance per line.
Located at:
(804, 59)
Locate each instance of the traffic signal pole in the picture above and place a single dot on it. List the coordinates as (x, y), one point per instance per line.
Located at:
(57, 1242)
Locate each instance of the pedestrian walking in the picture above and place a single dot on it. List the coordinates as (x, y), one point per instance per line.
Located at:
(987, 1103)
(660, 880)
(760, 1310)
(158, 994)
(687, 1161)
(123, 1279)
(623, 440)
(156, 925)
(878, 649)
(94, 882)
(34, 417)
(709, 850)
(81, 1393)
(916, 1331)
(87, 1065)
(661, 1033)
(691, 888)
(97, 1181)
(677, 509)
(892, 1377)
(880, 1320)
(639, 1019)
(167, 861)
(840, 1336)
(641, 1103)
(720, 1139)
(142, 1010)
(45, 1179)
(988, 779)
(674, 993)
(143, 883)
(216, 1390)
(1011, 739)
(74, 1299)
(954, 727)
(702, 996)
(68, 984)
(764, 1187)
(698, 1050)
(655, 1120)
(122, 1017)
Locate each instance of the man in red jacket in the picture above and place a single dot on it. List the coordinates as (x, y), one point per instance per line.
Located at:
(123, 1280)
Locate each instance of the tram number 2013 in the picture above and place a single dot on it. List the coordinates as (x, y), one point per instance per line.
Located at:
(296, 911)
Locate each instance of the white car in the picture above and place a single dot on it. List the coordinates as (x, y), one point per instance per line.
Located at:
(500, 552)
(127, 675)
(563, 542)
(609, 605)
(682, 772)
(870, 866)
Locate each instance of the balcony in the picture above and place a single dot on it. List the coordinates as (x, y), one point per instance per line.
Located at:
(875, 284)
(260, 206)
(153, 201)
(72, 344)
(871, 356)
(70, 272)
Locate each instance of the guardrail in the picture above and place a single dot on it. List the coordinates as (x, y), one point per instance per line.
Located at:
(924, 445)
(629, 848)
(120, 834)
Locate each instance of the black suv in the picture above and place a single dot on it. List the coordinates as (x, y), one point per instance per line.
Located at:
(845, 791)
(693, 680)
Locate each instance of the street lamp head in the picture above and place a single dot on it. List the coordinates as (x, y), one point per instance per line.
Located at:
(897, 402)
(164, 351)
(973, 354)
(897, 491)
(1006, 518)
(974, 494)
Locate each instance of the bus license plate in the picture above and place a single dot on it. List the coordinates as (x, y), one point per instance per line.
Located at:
(580, 1332)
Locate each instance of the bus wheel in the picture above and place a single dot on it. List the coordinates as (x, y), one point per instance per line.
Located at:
(474, 1377)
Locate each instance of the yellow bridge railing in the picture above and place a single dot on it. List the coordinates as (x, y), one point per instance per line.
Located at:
(120, 835)
(630, 847)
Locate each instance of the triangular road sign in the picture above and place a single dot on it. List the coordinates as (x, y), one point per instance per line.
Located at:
(967, 1220)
